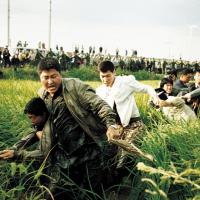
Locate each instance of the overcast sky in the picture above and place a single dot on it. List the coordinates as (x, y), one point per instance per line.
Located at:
(155, 28)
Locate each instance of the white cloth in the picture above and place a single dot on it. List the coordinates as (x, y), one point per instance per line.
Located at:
(121, 93)
(180, 113)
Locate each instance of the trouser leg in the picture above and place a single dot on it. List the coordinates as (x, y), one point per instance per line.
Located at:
(131, 134)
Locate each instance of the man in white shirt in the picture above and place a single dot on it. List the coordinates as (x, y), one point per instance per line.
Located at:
(118, 91)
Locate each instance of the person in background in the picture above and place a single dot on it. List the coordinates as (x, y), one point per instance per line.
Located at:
(171, 73)
(193, 96)
(182, 83)
(6, 57)
(167, 85)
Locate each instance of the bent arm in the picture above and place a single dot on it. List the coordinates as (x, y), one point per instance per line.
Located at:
(19, 152)
(195, 93)
(91, 101)
(26, 141)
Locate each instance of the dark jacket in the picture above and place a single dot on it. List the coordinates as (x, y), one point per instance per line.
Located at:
(180, 85)
(43, 147)
(92, 113)
(194, 91)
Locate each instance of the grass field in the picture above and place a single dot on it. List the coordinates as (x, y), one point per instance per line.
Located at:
(174, 174)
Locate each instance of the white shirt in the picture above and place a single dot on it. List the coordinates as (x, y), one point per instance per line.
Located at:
(121, 93)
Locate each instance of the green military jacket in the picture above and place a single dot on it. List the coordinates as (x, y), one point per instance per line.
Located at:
(42, 150)
(92, 113)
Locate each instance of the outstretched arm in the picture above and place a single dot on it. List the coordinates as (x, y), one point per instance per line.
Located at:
(194, 93)
(26, 141)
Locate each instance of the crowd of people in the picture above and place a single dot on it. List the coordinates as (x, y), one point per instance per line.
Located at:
(77, 127)
(22, 55)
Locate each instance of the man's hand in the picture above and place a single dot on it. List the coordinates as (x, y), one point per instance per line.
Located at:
(156, 101)
(113, 132)
(187, 97)
(6, 154)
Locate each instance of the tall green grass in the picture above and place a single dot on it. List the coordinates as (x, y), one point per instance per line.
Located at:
(174, 174)
(84, 73)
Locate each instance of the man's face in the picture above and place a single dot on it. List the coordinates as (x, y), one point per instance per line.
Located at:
(51, 80)
(168, 88)
(172, 76)
(197, 78)
(37, 120)
(185, 78)
(107, 78)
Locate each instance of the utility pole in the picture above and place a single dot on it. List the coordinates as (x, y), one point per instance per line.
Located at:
(49, 42)
(8, 28)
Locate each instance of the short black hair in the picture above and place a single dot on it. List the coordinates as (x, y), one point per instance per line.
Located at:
(197, 70)
(165, 81)
(186, 71)
(47, 64)
(35, 106)
(105, 66)
(172, 72)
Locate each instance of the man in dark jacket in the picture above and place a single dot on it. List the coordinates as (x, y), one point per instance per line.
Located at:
(6, 57)
(194, 89)
(182, 83)
(81, 125)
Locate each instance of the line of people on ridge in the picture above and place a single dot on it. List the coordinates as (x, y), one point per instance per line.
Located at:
(78, 58)
(75, 126)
